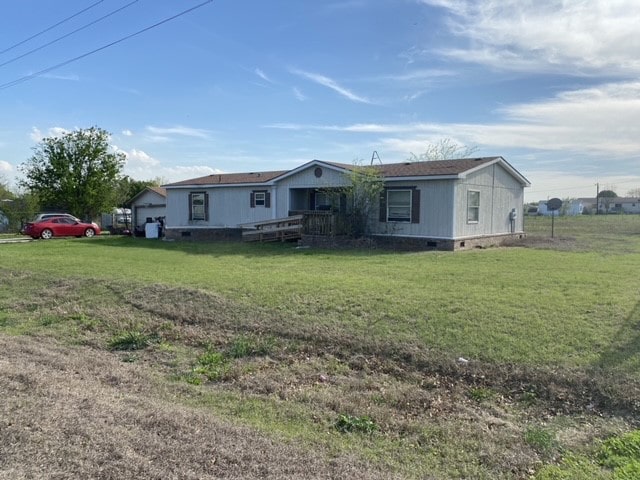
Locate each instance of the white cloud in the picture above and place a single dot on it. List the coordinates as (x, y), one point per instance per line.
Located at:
(5, 166)
(140, 158)
(127, 133)
(331, 84)
(36, 134)
(602, 120)
(594, 37)
(262, 75)
(178, 173)
(165, 132)
(73, 78)
(298, 94)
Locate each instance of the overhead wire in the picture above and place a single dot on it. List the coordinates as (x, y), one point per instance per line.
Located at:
(84, 55)
(50, 28)
(69, 34)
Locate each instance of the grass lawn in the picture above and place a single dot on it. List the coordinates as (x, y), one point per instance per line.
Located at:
(353, 352)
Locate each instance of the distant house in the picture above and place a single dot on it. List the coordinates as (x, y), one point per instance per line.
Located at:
(570, 208)
(612, 204)
(448, 204)
(147, 206)
(619, 205)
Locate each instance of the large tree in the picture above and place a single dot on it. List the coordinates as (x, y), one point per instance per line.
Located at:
(77, 172)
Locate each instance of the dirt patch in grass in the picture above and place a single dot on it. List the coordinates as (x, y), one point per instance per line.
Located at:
(286, 380)
(211, 319)
(547, 242)
(82, 413)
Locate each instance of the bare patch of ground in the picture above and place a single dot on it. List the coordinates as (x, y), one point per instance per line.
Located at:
(547, 242)
(81, 413)
(89, 412)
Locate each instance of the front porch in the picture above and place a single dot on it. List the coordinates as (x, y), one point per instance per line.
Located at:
(293, 227)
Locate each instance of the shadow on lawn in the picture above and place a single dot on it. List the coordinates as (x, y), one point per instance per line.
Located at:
(224, 248)
(625, 344)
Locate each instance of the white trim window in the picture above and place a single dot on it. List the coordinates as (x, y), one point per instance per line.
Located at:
(473, 206)
(260, 199)
(399, 205)
(198, 205)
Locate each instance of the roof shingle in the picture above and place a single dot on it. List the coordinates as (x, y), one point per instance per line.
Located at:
(389, 170)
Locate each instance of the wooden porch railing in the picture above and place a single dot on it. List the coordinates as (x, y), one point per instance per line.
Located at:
(279, 229)
(299, 222)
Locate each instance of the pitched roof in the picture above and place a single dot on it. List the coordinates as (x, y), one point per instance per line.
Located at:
(159, 190)
(434, 168)
(230, 178)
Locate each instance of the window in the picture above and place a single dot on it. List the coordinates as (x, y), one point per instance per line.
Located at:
(398, 205)
(260, 198)
(198, 206)
(473, 206)
(322, 201)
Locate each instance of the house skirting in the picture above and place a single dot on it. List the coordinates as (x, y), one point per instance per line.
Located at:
(203, 234)
(406, 243)
(394, 242)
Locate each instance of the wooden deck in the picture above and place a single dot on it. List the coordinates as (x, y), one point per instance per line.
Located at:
(279, 229)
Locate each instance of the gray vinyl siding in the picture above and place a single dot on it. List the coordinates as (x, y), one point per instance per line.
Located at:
(141, 209)
(499, 193)
(436, 211)
(229, 206)
(306, 179)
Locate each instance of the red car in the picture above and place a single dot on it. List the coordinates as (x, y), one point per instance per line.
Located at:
(61, 227)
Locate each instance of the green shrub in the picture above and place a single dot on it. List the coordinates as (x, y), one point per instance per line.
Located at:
(130, 340)
(620, 451)
(245, 346)
(629, 471)
(480, 394)
(573, 467)
(540, 439)
(213, 365)
(354, 424)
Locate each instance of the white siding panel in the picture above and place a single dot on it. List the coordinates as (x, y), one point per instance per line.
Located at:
(228, 207)
(141, 209)
(500, 192)
(436, 211)
(307, 179)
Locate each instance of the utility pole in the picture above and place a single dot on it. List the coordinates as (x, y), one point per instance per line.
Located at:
(597, 198)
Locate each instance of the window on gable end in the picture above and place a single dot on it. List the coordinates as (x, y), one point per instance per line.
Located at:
(473, 206)
(198, 206)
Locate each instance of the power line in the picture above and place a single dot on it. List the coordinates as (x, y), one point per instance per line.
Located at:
(50, 28)
(68, 34)
(79, 57)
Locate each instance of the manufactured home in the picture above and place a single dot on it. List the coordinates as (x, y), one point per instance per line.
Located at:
(447, 204)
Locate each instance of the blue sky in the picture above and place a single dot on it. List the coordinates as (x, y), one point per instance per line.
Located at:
(237, 86)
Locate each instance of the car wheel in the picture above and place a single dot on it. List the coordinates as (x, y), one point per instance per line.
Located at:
(89, 232)
(46, 234)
